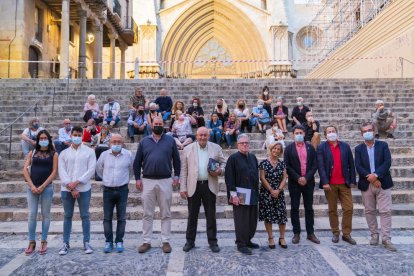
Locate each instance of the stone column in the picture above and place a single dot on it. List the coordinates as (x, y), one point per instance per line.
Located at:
(64, 40)
(123, 48)
(82, 44)
(112, 38)
(280, 67)
(97, 51)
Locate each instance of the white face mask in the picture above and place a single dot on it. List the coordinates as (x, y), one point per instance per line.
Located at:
(332, 137)
(265, 93)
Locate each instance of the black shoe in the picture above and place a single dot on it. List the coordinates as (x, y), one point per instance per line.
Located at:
(188, 246)
(214, 248)
(390, 136)
(244, 250)
(252, 245)
(284, 246)
(335, 238)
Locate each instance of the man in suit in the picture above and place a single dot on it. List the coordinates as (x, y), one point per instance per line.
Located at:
(373, 163)
(198, 184)
(337, 174)
(242, 171)
(301, 166)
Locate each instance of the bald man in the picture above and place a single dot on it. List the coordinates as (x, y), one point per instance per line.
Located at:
(65, 139)
(165, 104)
(114, 166)
(199, 183)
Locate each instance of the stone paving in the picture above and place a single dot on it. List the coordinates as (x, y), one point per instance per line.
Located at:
(303, 259)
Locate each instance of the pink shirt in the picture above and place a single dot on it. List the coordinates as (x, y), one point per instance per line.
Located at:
(303, 155)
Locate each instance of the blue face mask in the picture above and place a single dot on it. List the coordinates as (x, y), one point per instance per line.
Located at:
(116, 148)
(44, 143)
(77, 140)
(299, 138)
(368, 136)
(36, 126)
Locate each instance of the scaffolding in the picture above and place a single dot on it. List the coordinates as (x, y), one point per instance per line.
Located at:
(335, 23)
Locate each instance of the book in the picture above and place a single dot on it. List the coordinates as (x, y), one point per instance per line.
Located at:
(244, 195)
(213, 165)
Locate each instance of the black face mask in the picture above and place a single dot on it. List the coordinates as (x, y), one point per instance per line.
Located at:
(158, 130)
(219, 106)
(153, 111)
(140, 112)
(241, 106)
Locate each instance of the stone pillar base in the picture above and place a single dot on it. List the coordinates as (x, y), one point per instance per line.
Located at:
(148, 71)
(281, 71)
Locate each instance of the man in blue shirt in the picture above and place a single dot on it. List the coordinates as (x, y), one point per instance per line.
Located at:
(165, 104)
(64, 140)
(137, 123)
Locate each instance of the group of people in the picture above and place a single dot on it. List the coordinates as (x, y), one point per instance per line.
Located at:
(256, 190)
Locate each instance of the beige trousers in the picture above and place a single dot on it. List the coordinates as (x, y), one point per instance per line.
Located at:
(156, 191)
(371, 198)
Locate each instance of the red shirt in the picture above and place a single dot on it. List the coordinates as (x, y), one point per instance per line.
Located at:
(337, 176)
(303, 155)
(87, 138)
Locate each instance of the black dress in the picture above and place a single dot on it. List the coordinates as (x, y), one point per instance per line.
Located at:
(272, 210)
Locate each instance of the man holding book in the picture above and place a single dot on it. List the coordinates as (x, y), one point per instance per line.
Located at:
(201, 164)
(242, 180)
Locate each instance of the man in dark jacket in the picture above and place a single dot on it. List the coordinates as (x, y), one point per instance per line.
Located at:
(373, 163)
(337, 174)
(242, 173)
(301, 166)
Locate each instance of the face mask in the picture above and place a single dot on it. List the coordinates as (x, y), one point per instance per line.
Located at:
(153, 111)
(44, 143)
(140, 112)
(299, 103)
(279, 104)
(219, 106)
(299, 138)
(116, 148)
(259, 106)
(241, 106)
(158, 129)
(332, 137)
(68, 127)
(36, 126)
(195, 104)
(265, 93)
(77, 140)
(181, 118)
(368, 136)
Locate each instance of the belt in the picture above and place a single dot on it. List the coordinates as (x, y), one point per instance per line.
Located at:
(202, 181)
(116, 188)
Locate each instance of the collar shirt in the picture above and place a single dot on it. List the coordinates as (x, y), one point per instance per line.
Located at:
(77, 165)
(303, 155)
(202, 154)
(139, 119)
(65, 136)
(371, 157)
(115, 170)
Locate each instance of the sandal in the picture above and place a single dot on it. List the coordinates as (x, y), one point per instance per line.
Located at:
(43, 248)
(31, 248)
(272, 246)
(284, 246)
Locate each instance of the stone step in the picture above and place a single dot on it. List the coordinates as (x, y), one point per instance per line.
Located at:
(19, 200)
(181, 212)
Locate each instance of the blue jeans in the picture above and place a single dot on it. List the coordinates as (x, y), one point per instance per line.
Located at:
(118, 198)
(166, 115)
(60, 146)
(215, 136)
(45, 199)
(230, 138)
(68, 205)
(132, 131)
(109, 120)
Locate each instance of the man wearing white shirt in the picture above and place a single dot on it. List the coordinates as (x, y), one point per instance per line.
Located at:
(115, 168)
(64, 140)
(76, 167)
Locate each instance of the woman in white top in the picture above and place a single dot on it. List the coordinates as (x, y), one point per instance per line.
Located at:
(243, 115)
(181, 129)
(112, 111)
(91, 109)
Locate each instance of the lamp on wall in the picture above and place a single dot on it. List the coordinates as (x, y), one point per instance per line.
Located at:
(90, 38)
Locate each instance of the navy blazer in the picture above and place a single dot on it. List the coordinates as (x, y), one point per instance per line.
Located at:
(292, 161)
(382, 157)
(326, 163)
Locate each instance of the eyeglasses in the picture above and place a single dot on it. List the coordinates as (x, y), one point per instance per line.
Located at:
(367, 130)
(243, 143)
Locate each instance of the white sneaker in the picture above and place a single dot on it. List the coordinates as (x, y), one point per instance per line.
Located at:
(87, 247)
(64, 249)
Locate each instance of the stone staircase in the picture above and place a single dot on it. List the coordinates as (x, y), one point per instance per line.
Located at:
(344, 103)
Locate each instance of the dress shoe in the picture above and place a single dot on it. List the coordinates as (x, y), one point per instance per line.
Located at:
(284, 246)
(296, 239)
(214, 248)
(188, 246)
(335, 238)
(374, 239)
(244, 250)
(252, 245)
(166, 247)
(389, 245)
(313, 238)
(271, 246)
(144, 247)
(348, 239)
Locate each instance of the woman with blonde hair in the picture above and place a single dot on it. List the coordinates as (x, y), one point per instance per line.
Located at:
(272, 206)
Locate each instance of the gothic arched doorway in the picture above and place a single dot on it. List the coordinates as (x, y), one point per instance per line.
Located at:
(34, 55)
